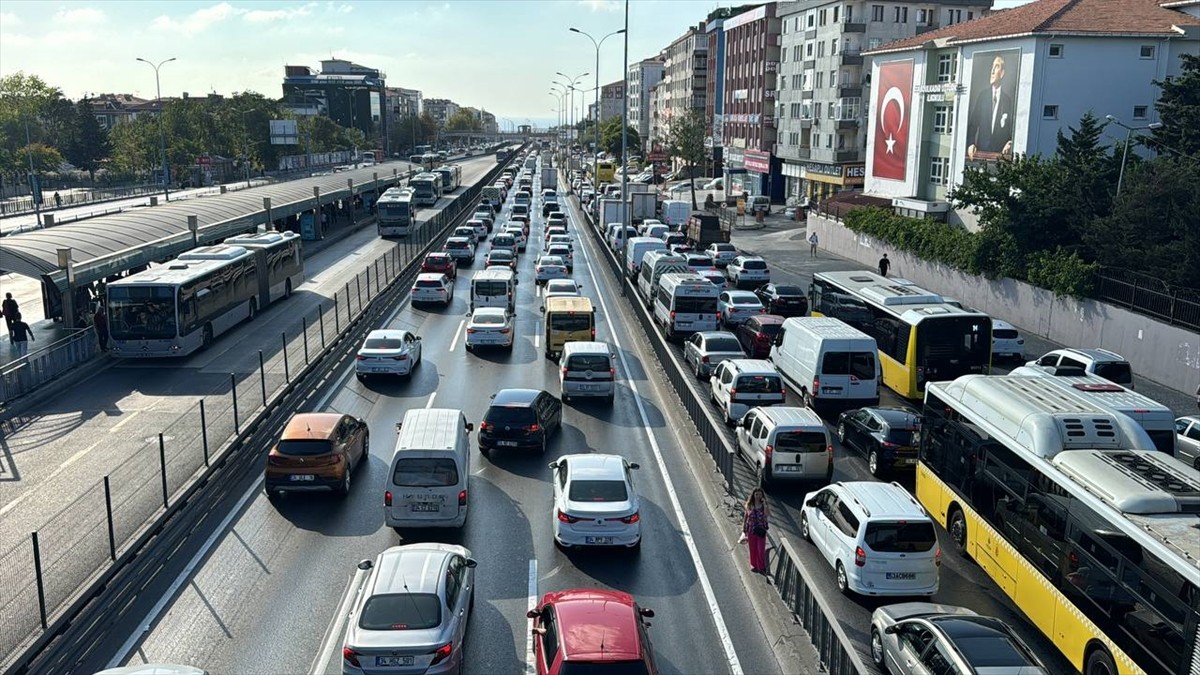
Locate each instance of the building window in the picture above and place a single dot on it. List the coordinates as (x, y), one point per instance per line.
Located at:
(848, 108)
(835, 13)
(797, 81)
(1056, 51)
(939, 168)
(953, 16)
(832, 110)
(1147, 51)
(806, 111)
(943, 119)
(793, 138)
(808, 50)
(901, 15)
(1139, 112)
(821, 19)
(812, 17)
(873, 43)
(946, 63)
(820, 49)
(833, 79)
(1049, 112)
(970, 15)
(922, 16)
(877, 12)
(820, 80)
(849, 13)
(817, 110)
(783, 55)
(828, 141)
(795, 52)
(833, 47)
(795, 112)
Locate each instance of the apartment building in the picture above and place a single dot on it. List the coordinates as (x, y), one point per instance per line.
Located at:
(643, 75)
(752, 53)
(441, 109)
(1006, 84)
(350, 94)
(403, 102)
(612, 97)
(822, 107)
(685, 76)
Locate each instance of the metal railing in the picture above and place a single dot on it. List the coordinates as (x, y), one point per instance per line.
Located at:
(18, 205)
(1147, 295)
(22, 375)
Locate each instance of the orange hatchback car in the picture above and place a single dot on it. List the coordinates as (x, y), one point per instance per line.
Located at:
(317, 452)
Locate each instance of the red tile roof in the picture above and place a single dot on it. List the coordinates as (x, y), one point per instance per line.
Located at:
(1079, 17)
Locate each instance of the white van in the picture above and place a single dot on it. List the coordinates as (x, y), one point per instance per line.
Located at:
(427, 479)
(494, 287)
(636, 249)
(589, 369)
(685, 303)
(832, 364)
(1157, 419)
(785, 443)
(654, 265)
(618, 236)
(675, 212)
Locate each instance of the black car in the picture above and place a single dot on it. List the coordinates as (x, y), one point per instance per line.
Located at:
(885, 436)
(519, 418)
(783, 299)
(550, 207)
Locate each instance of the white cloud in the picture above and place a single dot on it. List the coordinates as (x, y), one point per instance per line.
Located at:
(272, 15)
(9, 20)
(16, 40)
(601, 5)
(83, 15)
(198, 20)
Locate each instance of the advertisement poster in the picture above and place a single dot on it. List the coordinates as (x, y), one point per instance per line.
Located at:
(892, 120)
(993, 109)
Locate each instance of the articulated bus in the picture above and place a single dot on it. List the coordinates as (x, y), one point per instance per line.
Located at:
(921, 337)
(394, 212)
(1070, 510)
(424, 162)
(427, 189)
(278, 255)
(451, 177)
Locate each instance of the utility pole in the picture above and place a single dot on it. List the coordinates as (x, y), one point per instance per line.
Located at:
(624, 141)
(162, 136)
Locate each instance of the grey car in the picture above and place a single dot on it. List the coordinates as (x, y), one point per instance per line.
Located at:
(1187, 440)
(704, 350)
(411, 614)
(922, 637)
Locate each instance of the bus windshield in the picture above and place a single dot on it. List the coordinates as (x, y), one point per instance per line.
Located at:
(395, 210)
(142, 312)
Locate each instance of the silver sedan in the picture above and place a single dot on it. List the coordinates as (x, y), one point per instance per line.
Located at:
(550, 267)
(388, 352)
(922, 637)
(705, 350)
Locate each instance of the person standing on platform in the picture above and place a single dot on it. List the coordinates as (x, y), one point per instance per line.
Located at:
(10, 311)
(21, 335)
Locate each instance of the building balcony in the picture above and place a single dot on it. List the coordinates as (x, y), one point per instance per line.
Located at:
(846, 91)
(810, 34)
(806, 95)
(850, 27)
(846, 124)
(852, 58)
(848, 156)
(805, 122)
(809, 64)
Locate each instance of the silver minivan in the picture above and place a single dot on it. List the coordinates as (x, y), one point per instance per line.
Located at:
(427, 481)
(785, 443)
(588, 370)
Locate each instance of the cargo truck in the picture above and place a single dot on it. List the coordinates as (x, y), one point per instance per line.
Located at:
(642, 205)
(610, 212)
(704, 228)
(549, 177)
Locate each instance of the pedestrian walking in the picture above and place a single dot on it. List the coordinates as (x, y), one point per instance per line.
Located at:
(884, 265)
(100, 322)
(21, 335)
(10, 311)
(57, 200)
(754, 527)
(812, 245)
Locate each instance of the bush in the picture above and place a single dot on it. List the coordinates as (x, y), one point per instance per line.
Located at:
(1062, 272)
(926, 239)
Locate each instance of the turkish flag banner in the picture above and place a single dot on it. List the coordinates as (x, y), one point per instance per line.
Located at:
(892, 116)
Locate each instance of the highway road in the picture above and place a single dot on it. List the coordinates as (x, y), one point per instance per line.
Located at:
(52, 458)
(269, 597)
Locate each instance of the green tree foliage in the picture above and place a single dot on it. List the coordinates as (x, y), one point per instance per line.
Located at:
(685, 141)
(29, 108)
(45, 158)
(1178, 107)
(610, 137)
(323, 133)
(1091, 170)
(410, 131)
(88, 146)
(463, 120)
(134, 146)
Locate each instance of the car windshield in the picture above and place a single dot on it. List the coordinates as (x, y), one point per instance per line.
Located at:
(901, 436)
(1004, 333)
(501, 256)
(900, 536)
(428, 283)
(561, 286)
(582, 362)
(788, 290)
(141, 312)
(996, 650)
(383, 343)
(769, 329)
(303, 448)
(754, 265)
(488, 320)
(425, 472)
(597, 491)
(722, 344)
(456, 244)
(438, 259)
(1115, 371)
(571, 322)
(504, 414)
(760, 384)
(401, 611)
(801, 441)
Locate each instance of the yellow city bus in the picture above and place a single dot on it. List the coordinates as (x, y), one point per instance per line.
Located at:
(568, 319)
(606, 172)
(921, 337)
(1067, 506)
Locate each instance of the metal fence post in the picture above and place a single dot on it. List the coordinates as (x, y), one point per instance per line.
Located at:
(349, 316)
(37, 569)
(233, 390)
(112, 537)
(287, 377)
(304, 321)
(358, 290)
(204, 432)
(321, 323)
(262, 377)
(337, 319)
(162, 461)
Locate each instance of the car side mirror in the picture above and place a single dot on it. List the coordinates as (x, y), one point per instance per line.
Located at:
(399, 426)
(892, 629)
(417, 338)
(532, 614)
(542, 308)
(470, 427)
(365, 565)
(472, 563)
(812, 502)
(646, 612)
(553, 465)
(635, 466)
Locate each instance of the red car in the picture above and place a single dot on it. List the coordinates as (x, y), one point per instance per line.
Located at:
(599, 631)
(440, 262)
(757, 334)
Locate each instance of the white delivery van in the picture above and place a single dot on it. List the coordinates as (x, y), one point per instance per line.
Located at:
(685, 303)
(675, 212)
(636, 248)
(832, 364)
(427, 479)
(655, 264)
(494, 287)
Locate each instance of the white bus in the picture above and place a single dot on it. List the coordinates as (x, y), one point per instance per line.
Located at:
(280, 263)
(394, 214)
(180, 307)
(1074, 515)
(451, 177)
(685, 303)
(427, 188)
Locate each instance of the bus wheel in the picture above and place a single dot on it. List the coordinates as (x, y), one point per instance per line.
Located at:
(958, 530)
(287, 288)
(208, 337)
(1099, 663)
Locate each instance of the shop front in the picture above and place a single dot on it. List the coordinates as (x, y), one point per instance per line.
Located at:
(816, 181)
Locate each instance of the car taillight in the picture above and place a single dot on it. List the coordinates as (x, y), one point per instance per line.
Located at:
(860, 556)
(767, 452)
(732, 394)
(703, 359)
(829, 453)
(672, 316)
(533, 427)
(631, 519)
(359, 357)
(564, 518)
(462, 497)
(816, 387)
(485, 426)
(937, 557)
(350, 656)
(442, 654)
(400, 358)
(470, 331)
(387, 498)
(612, 372)
(888, 445)
(593, 333)
(760, 337)
(505, 331)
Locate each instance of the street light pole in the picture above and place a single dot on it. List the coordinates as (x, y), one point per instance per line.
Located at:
(596, 150)
(1128, 139)
(624, 140)
(571, 87)
(162, 136)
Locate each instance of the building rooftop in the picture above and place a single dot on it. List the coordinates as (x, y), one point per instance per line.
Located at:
(1133, 18)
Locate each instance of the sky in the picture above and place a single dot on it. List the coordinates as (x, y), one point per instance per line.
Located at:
(500, 55)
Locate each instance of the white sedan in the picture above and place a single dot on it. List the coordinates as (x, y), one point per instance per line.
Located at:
(550, 267)
(388, 352)
(562, 251)
(490, 327)
(433, 287)
(737, 306)
(596, 502)
(561, 288)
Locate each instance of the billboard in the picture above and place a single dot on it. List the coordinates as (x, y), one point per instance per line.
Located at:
(892, 119)
(284, 132)
(993, 98)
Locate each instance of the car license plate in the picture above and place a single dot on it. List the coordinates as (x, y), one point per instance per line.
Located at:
(788, 468)
(598, 540)
(912, 461)
(901, 576)
(393, 661)
(299, 478)
(426, 508)
(379, 369)
(507, 444)
(587, 387)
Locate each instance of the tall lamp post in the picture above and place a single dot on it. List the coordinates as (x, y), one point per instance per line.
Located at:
(246, 141)
(596, 150)
(162, 135)
(570, 85)
(1128, 138)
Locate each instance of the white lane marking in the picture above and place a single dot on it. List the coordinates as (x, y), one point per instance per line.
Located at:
(531, 603)
(125, 420)
(152, 617)
(336, 623)
(537, 337)
(429, 403)
(454, 342)
(76, 457)
(735, 666)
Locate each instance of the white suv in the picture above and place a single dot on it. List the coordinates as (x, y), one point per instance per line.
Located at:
(876, 536)
(741, 384)
(1100, 362)
(748, 269)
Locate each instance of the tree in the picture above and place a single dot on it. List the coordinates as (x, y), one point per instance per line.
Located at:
(1178, 107)
(45, 158)
(89, 146)
(463, 120)
(685, 141)
(1090, 174)
(610, 137)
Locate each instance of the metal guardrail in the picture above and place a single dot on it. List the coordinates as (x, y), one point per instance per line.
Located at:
(795, 586)
(1149, 296)
(23, 375)
(18, 205)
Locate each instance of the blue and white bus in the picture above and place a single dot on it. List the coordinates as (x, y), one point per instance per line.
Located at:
(280, 262)
(451, 177)
(427, 188)
(394, 214)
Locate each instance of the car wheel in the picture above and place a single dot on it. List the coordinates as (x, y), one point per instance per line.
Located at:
(873, 464)
(344, 488)
(611, 399)
(841, 430)
(361, 377)
(485, 451)
(804, 527)
(843, 583)
(877, 649)
(468, 347)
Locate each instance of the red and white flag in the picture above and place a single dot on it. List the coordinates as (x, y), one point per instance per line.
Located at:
(892, 116)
